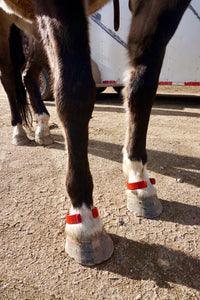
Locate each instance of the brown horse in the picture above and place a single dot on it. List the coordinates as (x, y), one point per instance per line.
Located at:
(12, 63)
(63, 29)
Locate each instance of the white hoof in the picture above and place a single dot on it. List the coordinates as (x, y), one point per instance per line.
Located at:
(44, 141)
(149, 207)
(19, 136)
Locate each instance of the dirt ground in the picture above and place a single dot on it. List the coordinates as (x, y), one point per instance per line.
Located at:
(153, 259)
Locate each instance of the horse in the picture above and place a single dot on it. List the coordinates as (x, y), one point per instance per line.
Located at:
(63, 28)
(13, 63)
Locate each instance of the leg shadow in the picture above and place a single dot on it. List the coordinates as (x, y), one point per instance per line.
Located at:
(143, 261)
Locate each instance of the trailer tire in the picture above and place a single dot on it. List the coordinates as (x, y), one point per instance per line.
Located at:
(45, 86)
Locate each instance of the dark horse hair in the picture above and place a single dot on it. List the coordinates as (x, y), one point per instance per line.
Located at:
(18, 61)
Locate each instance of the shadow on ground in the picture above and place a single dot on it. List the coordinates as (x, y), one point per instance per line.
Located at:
(175, 165)
(143, 261)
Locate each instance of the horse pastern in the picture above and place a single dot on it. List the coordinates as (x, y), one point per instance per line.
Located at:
(21, 141)
(19, 136)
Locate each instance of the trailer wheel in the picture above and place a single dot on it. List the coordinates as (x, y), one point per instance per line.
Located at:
(45, 88)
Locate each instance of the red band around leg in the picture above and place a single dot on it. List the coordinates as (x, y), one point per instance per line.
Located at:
(140, 184)
(95, 212)
(75, 219)
(137, 185)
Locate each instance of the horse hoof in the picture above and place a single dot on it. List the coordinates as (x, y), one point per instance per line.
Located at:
(44, 141)
(20, 140)
(149, 207)
(19, 136)
(90, 251)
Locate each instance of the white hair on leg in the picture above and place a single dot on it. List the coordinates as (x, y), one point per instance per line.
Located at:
(42, 133)
(19, 135)
(135, 171)
(88, 228)
(142, 201)
(87, 242)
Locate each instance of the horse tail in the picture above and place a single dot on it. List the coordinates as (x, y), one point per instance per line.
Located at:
(18, 61)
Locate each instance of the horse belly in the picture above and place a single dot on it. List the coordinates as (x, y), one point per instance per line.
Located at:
(21, 8)
(94, 5)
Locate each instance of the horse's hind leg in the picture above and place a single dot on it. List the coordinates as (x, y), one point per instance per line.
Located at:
(12, 82)
(149, 34)
(36, 61)
(67, 47)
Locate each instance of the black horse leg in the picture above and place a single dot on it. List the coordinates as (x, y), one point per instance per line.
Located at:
(64, 31)
(12, 82)
(153, 24)
(36, 61)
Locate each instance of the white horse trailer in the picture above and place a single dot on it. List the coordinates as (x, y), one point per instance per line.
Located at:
(181, 65)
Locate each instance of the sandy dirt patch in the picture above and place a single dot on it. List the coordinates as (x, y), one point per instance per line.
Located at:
(153, 259)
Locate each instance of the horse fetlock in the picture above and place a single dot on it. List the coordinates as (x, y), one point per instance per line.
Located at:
(42, 133)
(87, 241)
(136, 171)
(43, 120)
(19, 136)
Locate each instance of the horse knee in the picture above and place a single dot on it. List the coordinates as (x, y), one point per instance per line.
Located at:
(78, 101)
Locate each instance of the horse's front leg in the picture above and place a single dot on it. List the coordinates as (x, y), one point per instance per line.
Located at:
(142, 79)
(64, 31)
(149, 34)
(138, 96)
